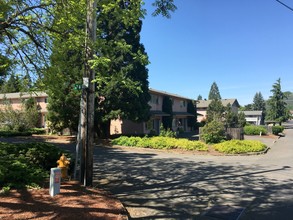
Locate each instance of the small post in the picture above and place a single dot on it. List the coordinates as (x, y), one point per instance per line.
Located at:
(55, 180)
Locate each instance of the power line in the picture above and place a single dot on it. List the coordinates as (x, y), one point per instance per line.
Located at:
(285, 5)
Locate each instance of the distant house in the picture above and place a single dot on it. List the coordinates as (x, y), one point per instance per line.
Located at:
(16, 101)
(253, 117)
(180, 116)
(202, 106)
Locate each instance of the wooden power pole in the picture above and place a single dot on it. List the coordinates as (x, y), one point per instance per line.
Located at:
(88, 98)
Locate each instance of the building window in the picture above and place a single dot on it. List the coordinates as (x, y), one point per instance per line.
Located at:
(154, 99)
(182, 103)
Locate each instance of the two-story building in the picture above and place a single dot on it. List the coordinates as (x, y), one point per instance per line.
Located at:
(16, 101)
(253, 117)
(202, 106)
(179, 113)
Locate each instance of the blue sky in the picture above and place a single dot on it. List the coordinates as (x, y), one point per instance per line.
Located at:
(242, 45)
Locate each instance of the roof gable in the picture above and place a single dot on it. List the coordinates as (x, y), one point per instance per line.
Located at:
(225, 102)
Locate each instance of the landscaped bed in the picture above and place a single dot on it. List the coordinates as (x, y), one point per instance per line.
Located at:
(226, 147)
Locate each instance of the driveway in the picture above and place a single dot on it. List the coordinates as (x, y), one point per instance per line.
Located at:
(163, 185)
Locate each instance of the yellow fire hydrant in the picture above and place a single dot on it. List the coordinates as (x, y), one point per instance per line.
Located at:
(63, 164)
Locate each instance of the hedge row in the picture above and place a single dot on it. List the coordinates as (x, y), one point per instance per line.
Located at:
(160, 143)
(240, 146)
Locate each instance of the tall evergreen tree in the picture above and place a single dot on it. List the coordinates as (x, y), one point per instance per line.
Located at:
(215, 110)
(191, 120)
(199, 97)
(259, 104)
(124, 91)
(277, 110)
(167, 108)
(214, 92)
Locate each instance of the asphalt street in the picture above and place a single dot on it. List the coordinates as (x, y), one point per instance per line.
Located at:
(167, 185)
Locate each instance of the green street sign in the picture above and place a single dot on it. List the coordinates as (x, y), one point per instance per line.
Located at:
(77, 87)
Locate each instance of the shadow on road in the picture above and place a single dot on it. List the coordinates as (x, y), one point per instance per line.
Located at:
(171, 188)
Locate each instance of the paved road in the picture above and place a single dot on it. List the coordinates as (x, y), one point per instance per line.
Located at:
(161, 185)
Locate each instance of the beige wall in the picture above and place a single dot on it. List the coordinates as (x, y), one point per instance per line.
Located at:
(126, 127)
(179, 105)
(17, 103)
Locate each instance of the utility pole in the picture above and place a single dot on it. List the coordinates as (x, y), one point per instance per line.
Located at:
(88, 98)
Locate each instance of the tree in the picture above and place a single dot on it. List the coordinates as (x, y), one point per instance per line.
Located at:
(259, 104)
(231, 118)
(241, 119)
(191, 120)
(199, 97)
(214, 92)
(277, 110)
(167, 108)
(20, 119)
(124, 92)
(24, 29)
(215, 110)
(164, 7)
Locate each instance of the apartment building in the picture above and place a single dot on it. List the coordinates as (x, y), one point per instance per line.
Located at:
(16, 100)
(179, 112)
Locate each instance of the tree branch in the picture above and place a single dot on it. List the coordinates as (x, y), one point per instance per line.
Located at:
(290, 8)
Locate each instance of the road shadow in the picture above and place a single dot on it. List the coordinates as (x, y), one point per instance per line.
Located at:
(172, 188)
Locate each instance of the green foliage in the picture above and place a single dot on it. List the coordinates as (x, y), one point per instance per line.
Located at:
(5, 190)
(213, 132)
(160, 143)
(214, 93)
(289, 99)
(255, 130)
(215, 110)
(191, 120)
(26, 164)
(25, 27)
(231, 118)
(19, 120)
(241, 119)
(277, 110)
(277, 129)
(11, 133)
(240, 146)
(164, 7)
(167, 108)
(166, 132)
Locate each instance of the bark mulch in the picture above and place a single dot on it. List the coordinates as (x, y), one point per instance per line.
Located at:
(73, 202)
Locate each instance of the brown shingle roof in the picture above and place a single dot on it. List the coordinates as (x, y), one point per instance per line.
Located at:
(225, 102)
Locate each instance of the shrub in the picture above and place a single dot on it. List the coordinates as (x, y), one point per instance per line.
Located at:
(166, 132)
(255, 130)
(277, 129)
(240, 146)
(213, 132)
(160, 143)
(26, 164)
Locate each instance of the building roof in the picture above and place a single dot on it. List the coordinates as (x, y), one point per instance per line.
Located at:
(168, 94)
(18, 95)
(250, 113)
(182, 114)
(225, 102)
